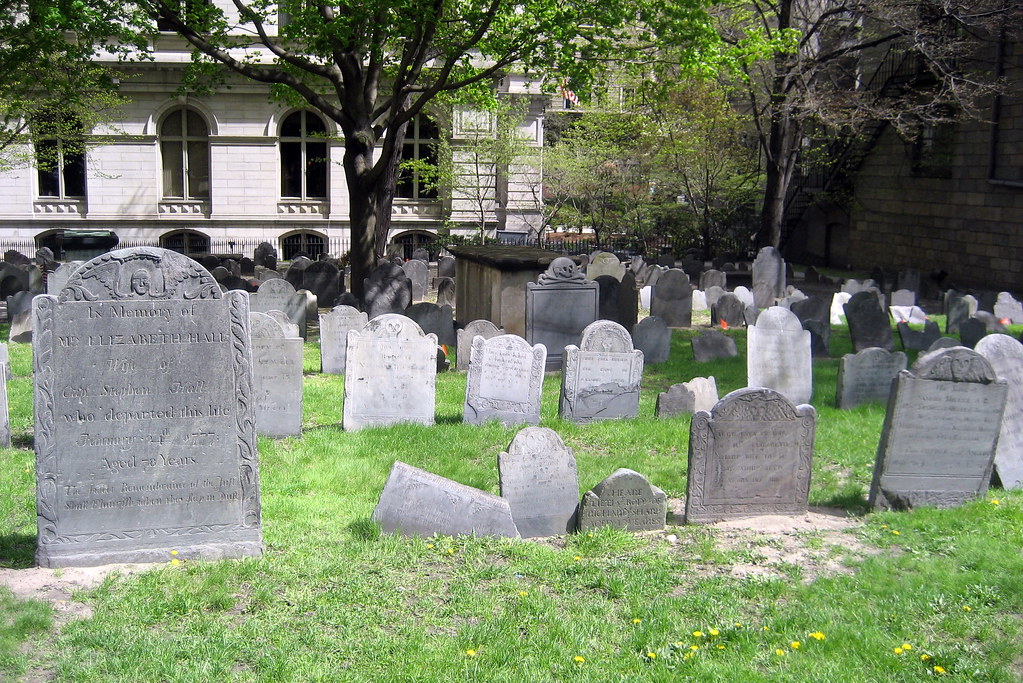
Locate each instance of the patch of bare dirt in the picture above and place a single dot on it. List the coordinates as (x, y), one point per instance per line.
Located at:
(57, 586)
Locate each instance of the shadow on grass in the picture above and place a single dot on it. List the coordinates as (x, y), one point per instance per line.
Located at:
(364, 529)
(851, 501)
(23, 440)
(17, 551)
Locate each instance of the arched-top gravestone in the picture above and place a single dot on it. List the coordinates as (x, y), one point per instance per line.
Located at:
(868, 323)
(672, 299)
(323, 279)
(1006, 357)
(278, 294)
(653, 338)
(418, 271)
(144, 425)
(558, 307)
(464, 337)
(601, 377)
(605, 263)
(334, 327)
(539, 480)
(752, 454)
(778, 355)
(938, 441)
(769, 270)
(276, 377)
(505, 381)
(867, 376)
(433, 318)
(387, 290)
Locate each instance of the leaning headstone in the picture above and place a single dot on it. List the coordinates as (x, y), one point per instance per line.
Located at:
(971, 331)
(558, 307)
(419, 273)
(605, 263)
(290, 329)
(712, 345)
(672, 299)
(769, 269)
(686, 398)
(539, 480)
(144, 430)
(653, 338)
(334, 327)
(938, 441)
(919, 340)
(435, 319)
(390, 374)
(600, 379)
(729, 311)
(276, 377)
(464, 337)
(1006, 357)
(279, 295)
(505, 381)
(1007, 308)
(323, 279)
(820, 337)
(624, 500)
(868, 323)
(778, 355)
(867, 376)
(415, 502)
(387, 290)
(750, 455)
(56, 280)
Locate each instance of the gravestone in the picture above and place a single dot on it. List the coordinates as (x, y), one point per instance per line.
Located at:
(279, 295)
(276, 377)
(334, 327)
(446, 266)
(903, 297)
(744, 295)
(16, 257)
(418, 272)
(421, 254)
(971, 331)
(712, 295)
(729, 311)
(20, 331)
(390, 374)
(438, 320)
(289, 328)
(868, 323)
(750, 455)
(605, 263)
(387, 290)
(763, 295)
(265, 255)
(601, 376)
(816, 309)
(908, 314)
(838, 302)
(539, 480)
(769, 269)
(811, 276)
(1006, 357)
(867, 376)
(700, 301)
(958, 308)
(672, 299)
(323, 279)
(247, 267)
(415, 502)
(938, 441)
(712, 345)
(778, 355)
(686, 398)
(628, 302)
(713, 278)
(220, 273)
(56, 280)
(908, 279)
(1007, 308)
(991, 323)
(12, 279)
(445, 291)
(608, 289)
(558, 307)
(19, 303)
(144, 430)
(505, 381)
(464, 337)
(624, 500)
(295, 274)
(943, 343)
(919, 340)
(5, 361)
(820, 336)
(653, 338)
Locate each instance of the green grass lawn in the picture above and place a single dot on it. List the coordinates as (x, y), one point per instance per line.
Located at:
(910, 596)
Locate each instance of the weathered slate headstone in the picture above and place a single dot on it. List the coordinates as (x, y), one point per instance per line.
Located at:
(672, 299)
(279, 295)
(750, 455)
(653, 338)
(56, 280)
(713, 344)
(505, 381)
(265, 255)
(763, 295)
(323, 279)
(713, 278)
(295, 274)
(624, 500)
(943, 343)
(903, 297)
(811, 276)
(769, 269)
(778, 355)
(729, 311)
(464, 337)
(387, 290)
(418, 272)
(919, 340)
(814, 308)
(446, 266)
(991, 323)
(971, 331)
(558, 307)
(445, 291)
(958, 308)
(435, 319)
(1006, 357)
(334, 327)
(867, 376)
(686, 398)
(144, 429)
(938, 441)
(868, 323)
(540, 482)
(601, 376)
(712, 295)
(390, 374)
(290, 329)
(744, 295)
(1007, 308)
(605, 263)
(415, 502)
(276, 377)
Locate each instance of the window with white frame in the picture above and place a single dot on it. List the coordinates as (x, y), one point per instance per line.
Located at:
(303, 156)
(59, 155)
(420, 149)
(185, 155)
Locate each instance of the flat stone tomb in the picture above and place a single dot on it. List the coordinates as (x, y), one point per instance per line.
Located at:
(390, 374)
(505, 381)
(276, 377)
(867, 376)
(334, 327)
(937, 445)
(1006, 357)
(280, 295)
(601, 377)
(750, 455)
(465, 336)
(539, 480)
(778, 355)
(624, 500)
(559, 307)
(415, 502)
(145, 434)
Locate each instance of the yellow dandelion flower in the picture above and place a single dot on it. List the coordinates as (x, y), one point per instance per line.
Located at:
(897, 650)
(967, 608)
(907, 647)
(721, 647)
(924, 657)
(884, 526)
(738, 625)
(694, 648)
(651, 655)
(765, 628)
(697, 634)
(795, 644)
(523, 594)
(174, 552)
(578, 659)
(451, 551)
(896, 532)
(430, 546)
(470, 653)
(577, 558)
(939, 670)
(175, 562)
(714, 633)
(817, 635)
(780, 652)
(994, 501)
(687, 656)
(637, 621)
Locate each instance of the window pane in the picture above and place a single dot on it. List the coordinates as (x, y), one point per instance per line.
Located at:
(198, 170)
(291, 169)
(74, 175)
(404, 187)
(196, 125)
(49, 182)
(292, 126)
(316, 169)
(173, 171)
(428, 129)
(314, 124)
(172, 124)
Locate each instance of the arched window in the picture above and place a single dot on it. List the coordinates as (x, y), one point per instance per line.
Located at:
(312, 244)
(186, 242)
(185, 148)
(59, 154)
(303, 156)
(421, 139)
